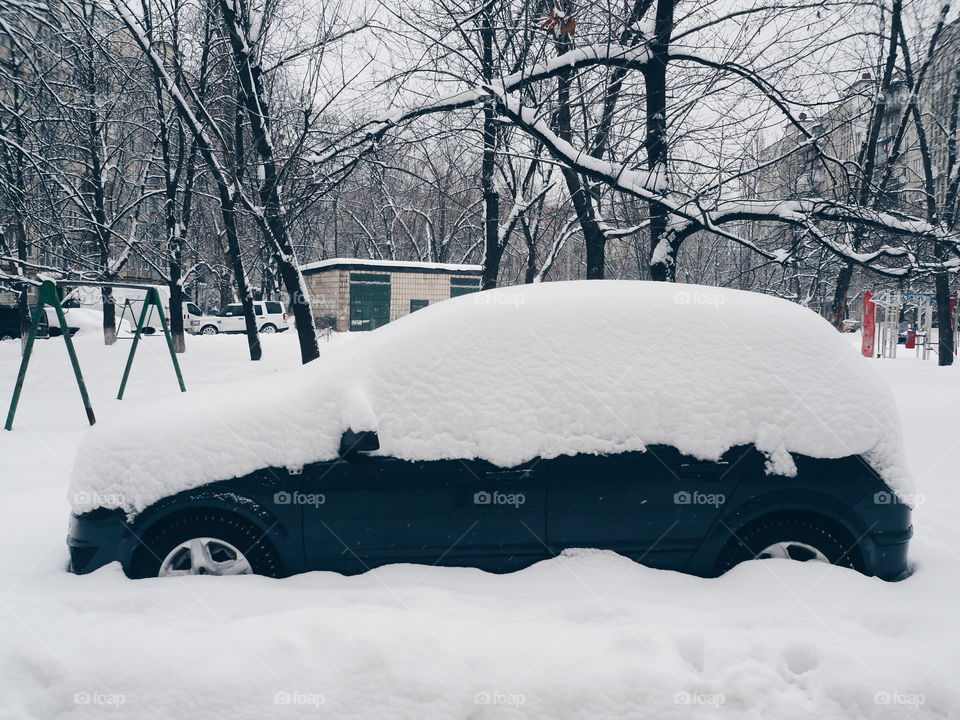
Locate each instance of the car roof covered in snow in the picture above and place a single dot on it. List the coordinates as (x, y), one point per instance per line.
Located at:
(516, 373)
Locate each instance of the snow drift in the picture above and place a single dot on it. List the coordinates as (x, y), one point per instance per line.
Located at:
(515, 373)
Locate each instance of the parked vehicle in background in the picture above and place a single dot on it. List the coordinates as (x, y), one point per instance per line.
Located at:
(270, 314)
(49, 325)
(9, 322)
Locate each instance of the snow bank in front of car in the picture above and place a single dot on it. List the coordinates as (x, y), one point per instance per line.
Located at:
(520, 372)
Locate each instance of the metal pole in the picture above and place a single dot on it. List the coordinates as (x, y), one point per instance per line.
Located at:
(166, 332)
(72, 353)
(24, 362)
(48, 296)
(133, 347)
(152, 300)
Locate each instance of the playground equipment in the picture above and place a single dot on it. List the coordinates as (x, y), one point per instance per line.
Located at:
(882, 313)
(48, 296)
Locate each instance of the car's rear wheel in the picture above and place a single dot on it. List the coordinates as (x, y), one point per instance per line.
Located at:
(803, 539)
(208, 330)
(268, 328)
(205, 542)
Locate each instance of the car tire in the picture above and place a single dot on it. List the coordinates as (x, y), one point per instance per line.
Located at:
(792, 538)
(231, 530)
(268, 328)
(209, 330)
(5, 337)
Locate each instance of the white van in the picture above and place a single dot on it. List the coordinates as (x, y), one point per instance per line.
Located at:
(270, 315)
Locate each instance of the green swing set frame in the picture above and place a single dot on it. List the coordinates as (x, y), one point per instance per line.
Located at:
(48, 296)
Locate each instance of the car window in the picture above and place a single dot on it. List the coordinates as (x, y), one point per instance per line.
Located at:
(232, 311)
(258, 308)
(274, 308)
(193, 309)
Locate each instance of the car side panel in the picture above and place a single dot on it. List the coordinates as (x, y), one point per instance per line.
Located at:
(653, 506)
(374, 511)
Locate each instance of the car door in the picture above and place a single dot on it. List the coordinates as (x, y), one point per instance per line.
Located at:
(190, 313)
(380, 510)
(231, 318)
(275, 314)
(653, 506)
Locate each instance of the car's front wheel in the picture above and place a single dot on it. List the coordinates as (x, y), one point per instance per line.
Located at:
(802, 539)
(208, 330)
(205, 542)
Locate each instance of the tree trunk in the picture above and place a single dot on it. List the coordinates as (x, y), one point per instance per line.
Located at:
(594, 240)
(176, 309)
(838, 308)
(23, 312)
(274, 215)
(492, 251)
(662, 262)
(227, 208)
(944, 320)
(109, 316)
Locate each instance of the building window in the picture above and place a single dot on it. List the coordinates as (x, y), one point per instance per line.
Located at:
(463, 285)
(418, 305)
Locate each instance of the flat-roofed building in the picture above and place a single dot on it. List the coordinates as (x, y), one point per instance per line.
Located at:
(350, 294)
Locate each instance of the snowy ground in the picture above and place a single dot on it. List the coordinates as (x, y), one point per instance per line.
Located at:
(589, 635)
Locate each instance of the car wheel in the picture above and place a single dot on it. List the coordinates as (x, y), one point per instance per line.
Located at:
(5, 337)
(792, 539)
(209, 330)
(268, 328)
(205, 542)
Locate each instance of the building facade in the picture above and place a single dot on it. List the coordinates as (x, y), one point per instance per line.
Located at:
(349, 294)
(791, 167)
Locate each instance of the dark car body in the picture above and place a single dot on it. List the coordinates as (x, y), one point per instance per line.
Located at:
(659, 507)
(10, 322)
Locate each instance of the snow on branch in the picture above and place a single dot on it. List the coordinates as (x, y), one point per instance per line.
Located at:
(589, 56)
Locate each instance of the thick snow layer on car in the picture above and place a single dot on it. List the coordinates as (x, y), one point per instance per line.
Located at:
(520, 372)
(585, 636)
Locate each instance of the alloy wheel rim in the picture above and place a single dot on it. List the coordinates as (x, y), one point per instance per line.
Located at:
(204, 556)
(792, 550)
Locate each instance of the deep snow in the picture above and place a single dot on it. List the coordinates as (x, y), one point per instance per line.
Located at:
(488, 376)
(590, 635)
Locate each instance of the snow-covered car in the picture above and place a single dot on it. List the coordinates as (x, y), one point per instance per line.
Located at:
(271, 318)
(503, 427)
